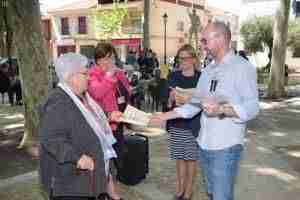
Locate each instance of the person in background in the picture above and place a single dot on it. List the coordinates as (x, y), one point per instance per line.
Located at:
(183, 146)
(131, 58)
(117, 60)
(228, 95)
(149, 62)
(110, 88)
(175, 64)
(286, 74)
(155, 59)
(75, 137)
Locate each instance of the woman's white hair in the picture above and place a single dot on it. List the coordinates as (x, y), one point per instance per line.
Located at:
(68, 64)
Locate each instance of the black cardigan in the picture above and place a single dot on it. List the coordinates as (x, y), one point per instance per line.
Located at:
(64, 136)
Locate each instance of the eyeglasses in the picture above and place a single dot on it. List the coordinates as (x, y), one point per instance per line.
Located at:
(84, 73)
(185, 58)
(212, 36)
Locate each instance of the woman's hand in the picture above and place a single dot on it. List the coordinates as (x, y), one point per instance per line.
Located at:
(171, 99)
(182, 99)
(86, 162)
(115, 116)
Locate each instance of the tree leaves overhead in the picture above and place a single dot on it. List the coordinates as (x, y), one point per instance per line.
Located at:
(109, 22)
(294, 35)
(257, 33)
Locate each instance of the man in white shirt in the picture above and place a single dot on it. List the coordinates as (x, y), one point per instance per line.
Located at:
(227, 93)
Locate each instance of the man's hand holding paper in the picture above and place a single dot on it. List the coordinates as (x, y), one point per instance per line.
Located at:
(217, 106)
(183, 96)
(140, 121)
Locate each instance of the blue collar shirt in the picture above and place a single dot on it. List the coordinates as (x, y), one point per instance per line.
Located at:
(236, 84)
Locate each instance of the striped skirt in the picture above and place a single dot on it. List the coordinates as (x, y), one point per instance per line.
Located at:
(182, 144)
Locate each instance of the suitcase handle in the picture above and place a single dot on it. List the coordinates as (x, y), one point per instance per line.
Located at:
(141, 135)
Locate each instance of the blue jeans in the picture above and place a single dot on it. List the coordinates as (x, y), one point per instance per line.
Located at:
(220, 168)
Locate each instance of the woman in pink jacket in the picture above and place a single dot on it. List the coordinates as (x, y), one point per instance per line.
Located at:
(110, 88)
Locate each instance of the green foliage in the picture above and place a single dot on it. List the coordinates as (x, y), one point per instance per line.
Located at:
(262, 76)
(294, 35)
(257, 33)
(109, 22)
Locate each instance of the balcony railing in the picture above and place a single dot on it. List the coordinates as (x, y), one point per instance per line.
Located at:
(132, 29)
(112, 1)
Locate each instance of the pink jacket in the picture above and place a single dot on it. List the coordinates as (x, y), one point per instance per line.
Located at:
(103, 89)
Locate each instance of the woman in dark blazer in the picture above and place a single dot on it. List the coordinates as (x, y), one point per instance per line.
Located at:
(74, 146)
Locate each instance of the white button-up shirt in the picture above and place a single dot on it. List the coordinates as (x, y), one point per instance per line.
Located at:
(236, 84)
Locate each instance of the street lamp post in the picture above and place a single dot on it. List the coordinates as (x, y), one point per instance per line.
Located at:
(165, 18)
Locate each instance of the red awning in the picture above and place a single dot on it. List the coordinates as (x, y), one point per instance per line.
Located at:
(132, 42)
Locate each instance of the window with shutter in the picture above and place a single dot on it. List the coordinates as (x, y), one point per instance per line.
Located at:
(65, 26)
(82, 27)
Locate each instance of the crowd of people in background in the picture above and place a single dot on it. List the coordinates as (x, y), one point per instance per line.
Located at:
(10, 83)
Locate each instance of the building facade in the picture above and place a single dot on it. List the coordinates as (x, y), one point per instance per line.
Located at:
(74, 28)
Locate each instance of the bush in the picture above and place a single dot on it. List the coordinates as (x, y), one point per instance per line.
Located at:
(262, 76)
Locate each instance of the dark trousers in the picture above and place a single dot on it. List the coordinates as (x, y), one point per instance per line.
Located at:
(101, 197)
(119, 146)
(72, 198)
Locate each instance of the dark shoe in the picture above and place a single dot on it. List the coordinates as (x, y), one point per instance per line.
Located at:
(110, 198)
(102, 197)
(177, 197)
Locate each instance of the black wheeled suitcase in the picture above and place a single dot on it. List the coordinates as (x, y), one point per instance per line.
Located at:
(135, 160)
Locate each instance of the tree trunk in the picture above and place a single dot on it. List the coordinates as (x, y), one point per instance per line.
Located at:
(2, 43)
(24, 18)
(2, 31)
(8, 37)
(146, 25)
(276, 79)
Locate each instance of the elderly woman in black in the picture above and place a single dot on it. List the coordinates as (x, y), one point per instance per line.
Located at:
(75, 137)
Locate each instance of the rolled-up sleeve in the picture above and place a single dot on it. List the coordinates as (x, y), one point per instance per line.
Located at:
(187, 111)
(247, 107)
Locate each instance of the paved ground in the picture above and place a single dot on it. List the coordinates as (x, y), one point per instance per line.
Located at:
(270, 168)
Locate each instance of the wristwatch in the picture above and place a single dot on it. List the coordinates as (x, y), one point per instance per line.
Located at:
(222, 115)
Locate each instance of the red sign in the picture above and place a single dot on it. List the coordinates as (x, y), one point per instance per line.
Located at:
(132, 42)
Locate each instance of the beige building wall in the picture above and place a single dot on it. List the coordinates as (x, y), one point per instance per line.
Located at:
(178, 24)
(73, 38)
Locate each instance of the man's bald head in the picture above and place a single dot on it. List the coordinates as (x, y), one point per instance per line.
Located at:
(216, 39)
(220, 28)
